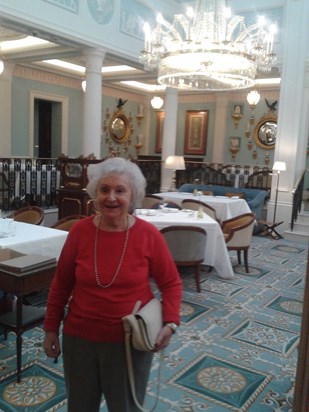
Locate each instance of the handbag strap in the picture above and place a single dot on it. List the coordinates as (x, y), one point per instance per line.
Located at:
(131, 373)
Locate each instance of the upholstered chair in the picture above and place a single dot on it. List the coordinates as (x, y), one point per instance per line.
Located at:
(150, 201)
(29, 214)
(187, 246)
(196, 204)
(238, 234)
(67, 222)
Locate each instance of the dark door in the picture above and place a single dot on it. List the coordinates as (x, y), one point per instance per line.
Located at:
(44, 128)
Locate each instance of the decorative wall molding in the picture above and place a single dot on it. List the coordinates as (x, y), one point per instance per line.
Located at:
(46, 77)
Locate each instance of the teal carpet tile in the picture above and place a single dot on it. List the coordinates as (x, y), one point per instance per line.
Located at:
(236, 348)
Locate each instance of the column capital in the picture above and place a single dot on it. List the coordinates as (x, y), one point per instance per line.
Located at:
(94, 58)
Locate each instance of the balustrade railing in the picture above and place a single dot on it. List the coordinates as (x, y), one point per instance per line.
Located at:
(297, 199)
(26, 181)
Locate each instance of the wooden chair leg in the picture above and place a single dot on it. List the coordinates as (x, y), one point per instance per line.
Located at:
(239, 256)
(246, 260)
(197, 277)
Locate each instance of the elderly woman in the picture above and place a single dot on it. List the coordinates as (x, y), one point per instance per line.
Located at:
(106, 265)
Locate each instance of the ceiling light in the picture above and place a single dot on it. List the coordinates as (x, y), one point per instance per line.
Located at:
(253, 98)
(144, 86)
(26, 42)
(207, 49)
(157, 102)
(65, 65)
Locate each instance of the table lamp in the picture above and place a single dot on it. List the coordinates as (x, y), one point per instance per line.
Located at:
(175, 163)
(278, 167)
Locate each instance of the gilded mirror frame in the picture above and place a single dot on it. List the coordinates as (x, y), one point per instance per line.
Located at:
(265, 131)
(119, 127)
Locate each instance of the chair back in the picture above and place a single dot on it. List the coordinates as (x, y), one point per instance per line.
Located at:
(193, 204)
(185, 243)
(151, 201)
(29, 214)
(67, 222)
(238, 230)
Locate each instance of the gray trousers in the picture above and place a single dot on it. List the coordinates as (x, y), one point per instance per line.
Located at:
(94, 368)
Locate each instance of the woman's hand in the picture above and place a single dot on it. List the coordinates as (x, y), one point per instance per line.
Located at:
(51, 345)
(163, 338)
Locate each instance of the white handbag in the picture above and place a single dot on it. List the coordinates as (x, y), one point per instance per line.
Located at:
(141, 329)
(144, 325)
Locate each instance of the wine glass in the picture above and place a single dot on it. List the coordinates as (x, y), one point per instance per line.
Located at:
(163, 204)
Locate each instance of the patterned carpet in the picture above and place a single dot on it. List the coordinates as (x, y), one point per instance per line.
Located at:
(235, 351)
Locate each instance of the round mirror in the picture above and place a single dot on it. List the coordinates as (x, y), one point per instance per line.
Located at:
(265, 132)
(119, 127)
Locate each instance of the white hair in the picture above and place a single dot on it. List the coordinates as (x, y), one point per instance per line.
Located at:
(117, 165)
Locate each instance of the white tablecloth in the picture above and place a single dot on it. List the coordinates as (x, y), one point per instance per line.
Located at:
(224, 206)
(37, 239)
(216, 253)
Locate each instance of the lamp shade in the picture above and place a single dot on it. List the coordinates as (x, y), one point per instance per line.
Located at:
(253, 97)
(157, 102)
(175, 163)
(279, 166)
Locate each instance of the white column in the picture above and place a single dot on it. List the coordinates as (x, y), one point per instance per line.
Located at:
(93, 102)
(6, 109)
(220, 128)
(292, 133)
(169, 135)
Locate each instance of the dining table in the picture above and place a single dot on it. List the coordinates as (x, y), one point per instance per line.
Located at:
(216, 253)
(225, 207)
(31, 239)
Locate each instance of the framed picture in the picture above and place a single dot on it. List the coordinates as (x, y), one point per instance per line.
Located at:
(159, 130)
(196, 132)
(238, 109)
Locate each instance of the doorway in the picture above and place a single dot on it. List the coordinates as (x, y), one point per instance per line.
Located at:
(47, 128)
(48, 125)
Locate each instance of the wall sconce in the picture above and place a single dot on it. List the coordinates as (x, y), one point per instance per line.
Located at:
(234, 146)
(253, 98)
(140, 114)
(175, 163)
(157, 102)
(139, 143)
(84, 85)
(237, 114)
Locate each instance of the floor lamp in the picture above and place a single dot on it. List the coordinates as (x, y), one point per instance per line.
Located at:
(175, 163)
(278, 167)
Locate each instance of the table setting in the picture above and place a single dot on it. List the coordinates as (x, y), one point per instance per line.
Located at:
(225, 207)
(216, 253)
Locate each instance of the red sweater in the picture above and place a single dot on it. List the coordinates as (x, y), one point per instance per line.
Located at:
(95, 313)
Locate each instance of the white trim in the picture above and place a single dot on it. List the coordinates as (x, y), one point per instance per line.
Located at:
(64, 100)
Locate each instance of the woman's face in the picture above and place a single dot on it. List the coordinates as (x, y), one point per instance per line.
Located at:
(113, 196)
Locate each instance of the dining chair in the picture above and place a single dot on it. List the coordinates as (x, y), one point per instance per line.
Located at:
(237, 233)
(150, 201)
(187, 247)
(67, 222)
(193, 204)
(29, 214)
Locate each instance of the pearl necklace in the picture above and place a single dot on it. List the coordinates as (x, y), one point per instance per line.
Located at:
(96, 274)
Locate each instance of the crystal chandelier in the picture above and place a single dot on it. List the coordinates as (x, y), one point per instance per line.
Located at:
(208, 49)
